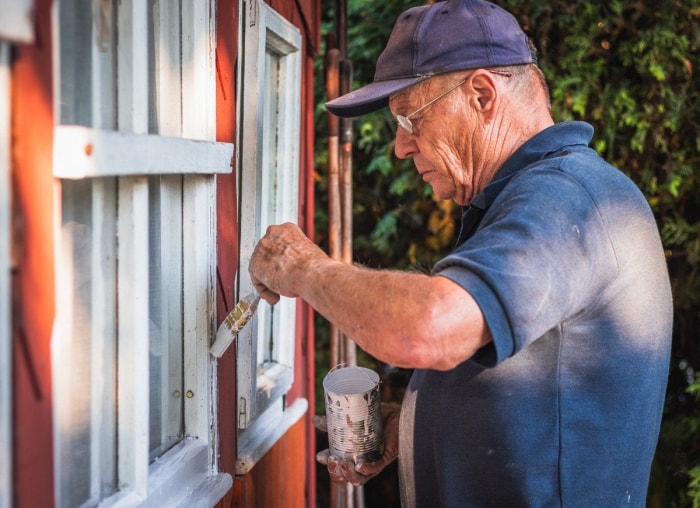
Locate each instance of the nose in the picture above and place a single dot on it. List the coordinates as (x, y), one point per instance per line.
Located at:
(405, 144)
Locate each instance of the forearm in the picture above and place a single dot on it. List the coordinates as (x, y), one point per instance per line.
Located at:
(406, 319)
(411, 320)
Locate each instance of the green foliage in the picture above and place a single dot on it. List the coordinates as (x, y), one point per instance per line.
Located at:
(627, 67)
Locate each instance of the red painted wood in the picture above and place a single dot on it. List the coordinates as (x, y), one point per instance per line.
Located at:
(280, 476)
(289, 467)
(227, 234)
(33, 283)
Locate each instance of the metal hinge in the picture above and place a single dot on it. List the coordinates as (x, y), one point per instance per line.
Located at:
(242, 413)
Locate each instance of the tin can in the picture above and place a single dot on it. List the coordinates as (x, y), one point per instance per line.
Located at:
(353, 413)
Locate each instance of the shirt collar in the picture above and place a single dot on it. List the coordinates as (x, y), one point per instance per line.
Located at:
(552, 139)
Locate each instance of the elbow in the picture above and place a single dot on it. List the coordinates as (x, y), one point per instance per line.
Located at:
(441, 348)
(435, 353)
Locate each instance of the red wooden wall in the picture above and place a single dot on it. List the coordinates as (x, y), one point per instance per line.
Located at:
(285, 477)
(33, 279)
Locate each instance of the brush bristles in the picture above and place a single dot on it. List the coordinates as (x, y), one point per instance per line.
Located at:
(233, 323)
(221, 344)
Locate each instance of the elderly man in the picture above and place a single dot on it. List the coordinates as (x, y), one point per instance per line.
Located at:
(541, 343)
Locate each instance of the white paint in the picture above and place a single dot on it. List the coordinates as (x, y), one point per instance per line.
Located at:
(17, 20)
(5, 266)
(269, 125)
(120, 153)
(83, 152)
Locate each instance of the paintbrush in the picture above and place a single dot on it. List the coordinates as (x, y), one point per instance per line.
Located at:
(234, 323)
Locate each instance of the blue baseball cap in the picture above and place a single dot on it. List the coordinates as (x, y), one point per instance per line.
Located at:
(434, 39)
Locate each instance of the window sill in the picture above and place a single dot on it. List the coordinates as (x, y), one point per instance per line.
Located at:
(181, 478)
(265, 431)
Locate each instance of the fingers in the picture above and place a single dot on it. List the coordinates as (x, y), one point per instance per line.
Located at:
(278, 265)
(338, 469)
(369, 469)
(266, 294)
(343, 471)
(322, 457)
(319, 422)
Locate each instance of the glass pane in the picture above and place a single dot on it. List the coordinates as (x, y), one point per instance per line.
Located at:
(85, 349)
(271, 193)
(165, 310)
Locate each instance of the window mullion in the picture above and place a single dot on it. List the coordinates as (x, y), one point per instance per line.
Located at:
(103, 92)
(198, 71)
(133, 337)
(132, 66)
(103, 323)
(167, 69)
(132, 253)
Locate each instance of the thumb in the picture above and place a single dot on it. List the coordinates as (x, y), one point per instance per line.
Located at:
(319, 422)
(322, 457)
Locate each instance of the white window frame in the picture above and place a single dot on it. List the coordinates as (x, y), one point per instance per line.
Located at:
(268, 194)
(17, 20)
(187, 474)
(5, 267)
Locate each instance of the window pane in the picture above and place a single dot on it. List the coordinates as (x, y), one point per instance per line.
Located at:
(165, 311)
(85, 381)
(272, 193)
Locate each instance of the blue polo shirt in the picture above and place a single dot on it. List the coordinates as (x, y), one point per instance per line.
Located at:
(563, 408)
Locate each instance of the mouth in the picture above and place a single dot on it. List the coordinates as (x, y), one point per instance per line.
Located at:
(424, 171)
(426, 174)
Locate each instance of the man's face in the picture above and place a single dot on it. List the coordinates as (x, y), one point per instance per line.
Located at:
(442, 142)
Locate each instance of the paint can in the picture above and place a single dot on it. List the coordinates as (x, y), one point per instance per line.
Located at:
(353, 413)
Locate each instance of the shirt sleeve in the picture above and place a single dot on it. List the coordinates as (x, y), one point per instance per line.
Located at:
(540, 257)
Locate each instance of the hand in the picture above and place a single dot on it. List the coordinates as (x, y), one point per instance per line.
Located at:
(342, 471)
(279, 262)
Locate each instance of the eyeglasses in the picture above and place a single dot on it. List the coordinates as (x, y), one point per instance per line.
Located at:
(405, 120)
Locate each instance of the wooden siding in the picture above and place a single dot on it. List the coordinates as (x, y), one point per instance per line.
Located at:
(285, 477)
(227, 237)
(33, 285)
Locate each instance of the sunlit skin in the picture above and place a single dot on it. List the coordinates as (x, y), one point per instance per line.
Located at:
(409, 319)
(416, 320)
(460, 141)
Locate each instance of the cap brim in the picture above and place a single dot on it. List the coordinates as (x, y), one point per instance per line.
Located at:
(369, 98)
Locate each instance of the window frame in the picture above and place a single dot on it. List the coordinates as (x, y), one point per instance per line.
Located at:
(263, 415)
(5, 273)
(16, 22)
(189, 470)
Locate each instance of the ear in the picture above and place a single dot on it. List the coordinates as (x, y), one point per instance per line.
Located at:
(484, 94)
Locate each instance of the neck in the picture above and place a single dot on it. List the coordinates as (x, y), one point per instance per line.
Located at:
(502, 139)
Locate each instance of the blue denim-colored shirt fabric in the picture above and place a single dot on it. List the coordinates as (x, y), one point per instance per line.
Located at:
(563, 408)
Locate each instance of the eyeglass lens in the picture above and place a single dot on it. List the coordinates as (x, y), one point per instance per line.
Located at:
(405, 120)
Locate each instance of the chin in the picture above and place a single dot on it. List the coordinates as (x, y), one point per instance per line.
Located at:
(441, 194)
